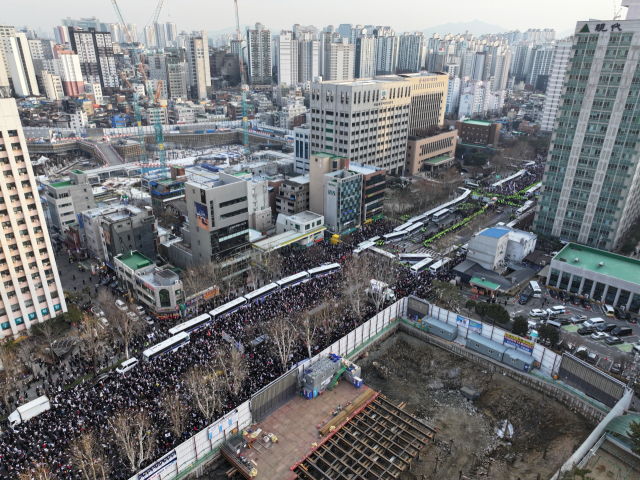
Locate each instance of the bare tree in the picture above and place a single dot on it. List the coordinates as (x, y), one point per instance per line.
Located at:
(47, 333)
(272, 264)
(383, 270)
(92, 332)
(8, 382)
(38, 471)
(177, 412)
(200, 277)
(234, 368)
(355, 281)
(309, 327)
(88, 456)
(282, 334)
(203, 385)
(135, 437)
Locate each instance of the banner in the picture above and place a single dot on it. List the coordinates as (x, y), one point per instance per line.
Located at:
(202, 216)
(470, 324)
(159, 466)
(521, 343)
(224, 423)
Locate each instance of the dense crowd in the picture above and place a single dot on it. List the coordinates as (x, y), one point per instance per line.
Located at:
(533, 174)
(89, 406)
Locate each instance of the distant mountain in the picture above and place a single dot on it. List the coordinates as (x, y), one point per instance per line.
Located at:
(475, 27)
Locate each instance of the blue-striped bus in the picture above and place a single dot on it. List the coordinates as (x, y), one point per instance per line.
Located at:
(287, 282)
(171, 344)
(192, 325)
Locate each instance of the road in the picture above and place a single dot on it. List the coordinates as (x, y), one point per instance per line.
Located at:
(105, 147)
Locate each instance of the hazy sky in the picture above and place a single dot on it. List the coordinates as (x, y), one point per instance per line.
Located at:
(401, 15)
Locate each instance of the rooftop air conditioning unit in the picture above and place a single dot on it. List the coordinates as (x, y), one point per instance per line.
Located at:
(576, 260)
(601, 264)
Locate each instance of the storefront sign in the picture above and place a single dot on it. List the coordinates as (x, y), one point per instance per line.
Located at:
(518, 342)
(201, 296)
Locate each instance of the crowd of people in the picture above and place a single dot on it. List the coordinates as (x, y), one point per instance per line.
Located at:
(89, 406)
(533, 174)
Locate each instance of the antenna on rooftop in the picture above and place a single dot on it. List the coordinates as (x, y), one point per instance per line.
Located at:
(616, 11)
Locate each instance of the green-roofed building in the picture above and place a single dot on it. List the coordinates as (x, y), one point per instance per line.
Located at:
(478, 132)
(596, 274)
(67, 198)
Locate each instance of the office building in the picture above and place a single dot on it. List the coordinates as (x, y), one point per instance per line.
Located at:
(159, 289)
(365, 120)
(321, 164)
(373, 187)
(19, 64)
(259, 55)
(158, 72)
(67, 198)
(302, 148)
(342, 198)
(488, 248)
(478, 132)
(591, 186)
(430, 151)
(52, 86)
(32, 291)
(178, 78)
(411, 52)
(597, 275)
(293, 196)
(95, 52)
(198, 61)
(554, 85)
(286, 58)
(428, 99)
(339, 61)
(366, 56)
(127, 229)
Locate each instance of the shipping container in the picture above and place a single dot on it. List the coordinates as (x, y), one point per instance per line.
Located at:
(441, 330)
(485, 346)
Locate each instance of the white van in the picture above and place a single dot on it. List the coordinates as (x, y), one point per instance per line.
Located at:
(593, 322)
(557, 310)
(127, 365)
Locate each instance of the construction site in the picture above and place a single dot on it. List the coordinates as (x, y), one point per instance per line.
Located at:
(411, 421)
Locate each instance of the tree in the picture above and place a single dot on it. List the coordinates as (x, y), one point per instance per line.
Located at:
(234, 368)
(47, 332)
(204, 388)
(470, 305)
(282, 334)
(121, 325)
(135, 437)
(199, 277)
(177, 412)
(309, 328)
(355, 281)
(581, 354)
(9, 381)
(93, 333)
(547, 332)
(520, 326)
(88, 456)
(493, 311)
(382, 269)
(38, 471)
(272, 264)
(448, 294)
(634, 434)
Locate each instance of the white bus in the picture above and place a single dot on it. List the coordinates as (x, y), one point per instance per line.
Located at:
(423, 265)
(359, 250)
(403, 227)
(440, 215)
(197, 323)
(228, 308)
(287, 282)
(325, 270)
(439, 266)
(413, 257)
(535, 288)
(169, 345)
(384, 253)
(395, 236)
(416, 227)
(527, 205)
(262, 293)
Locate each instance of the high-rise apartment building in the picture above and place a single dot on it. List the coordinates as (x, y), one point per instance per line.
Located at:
(286, 58)
(32, 291)
(308, 60)
(171, 32)
(61, 34)
(387, 50)
(178, 78)
(554, 85)
(339, 61)
(18, 63)
(344, 30)
(158, 72)
(66, 64)
(198, 60)
(411, 52)
(95, 52)
(541, 63)
(259, 55)
(52, 86)
(83, 23)
(366, 56)
(591, 186)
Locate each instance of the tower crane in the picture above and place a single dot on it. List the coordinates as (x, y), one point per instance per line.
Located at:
(243, 86)
(137, 62)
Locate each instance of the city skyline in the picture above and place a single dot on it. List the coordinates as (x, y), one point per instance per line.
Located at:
(500, 13)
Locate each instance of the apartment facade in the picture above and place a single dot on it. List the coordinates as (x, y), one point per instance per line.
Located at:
(95, 52)
(52, 86)
(32, 290)
(554, 85)
(198, 62)
(293, 196)
(19, 64)
(591, 186)
(339, 61)
(411, 52)
(259, 55)
(366, 56)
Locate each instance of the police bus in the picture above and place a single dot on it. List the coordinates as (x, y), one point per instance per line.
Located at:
(440, 215)
(395, 236)
(412, 257)
(416, 227)
(192, 325)
(259, 295)
(422, 265)
(439, 266)
(403, 227)
(287, 282)
(324, 270)
(228, 308)
(174, 343)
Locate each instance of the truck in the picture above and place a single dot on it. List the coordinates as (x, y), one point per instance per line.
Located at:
(378, 288)
(29, 410)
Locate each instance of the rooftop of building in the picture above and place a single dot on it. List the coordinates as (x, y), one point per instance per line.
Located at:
(303, 217)
(66, 183)
(485, 283)
(364, 169)
(483, 123)
(301, 179)
(494, 232)
(599, 261)
(77, 172)
(341, 174)
(240, 174)
(284, 239)
(439, 159)
(134, 260)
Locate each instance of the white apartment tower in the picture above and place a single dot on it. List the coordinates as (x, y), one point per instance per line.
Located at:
(309, 60)
(95, 52)
(286, 57)
(259, 55)
(198, 60)
(554, 86)
(32, 291)
(411, 52)
(387, 50)
(19, 64)
(339, 61)
(366, 56)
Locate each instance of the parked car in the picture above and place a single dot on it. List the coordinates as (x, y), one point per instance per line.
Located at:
(149, 320)
(613, 341)
(578, 319)
(139, 310)
(97, 311)
(622, 332)
(586, 330)
(616, 368)
(133, 316)
(565, 321)
(599, 335)
(104, 321)
(621, 314)
(606, 327)
(557, 310)
(121, 305)
(608, 310)
(536, 312)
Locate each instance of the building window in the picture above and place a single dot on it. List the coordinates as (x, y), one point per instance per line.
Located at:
(165, 299)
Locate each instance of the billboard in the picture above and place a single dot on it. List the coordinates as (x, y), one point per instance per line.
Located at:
(521, 343)
(202, 216)
(470, 324)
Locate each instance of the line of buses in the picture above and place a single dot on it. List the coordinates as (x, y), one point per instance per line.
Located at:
(180, 333)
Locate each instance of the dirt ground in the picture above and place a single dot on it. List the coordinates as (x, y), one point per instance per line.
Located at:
(428, 379)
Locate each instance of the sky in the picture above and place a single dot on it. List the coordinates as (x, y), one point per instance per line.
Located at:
(401, 15)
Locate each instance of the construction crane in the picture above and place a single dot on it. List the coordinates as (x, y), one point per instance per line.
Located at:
(158, 89)
(243, 86)
(138, 65)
